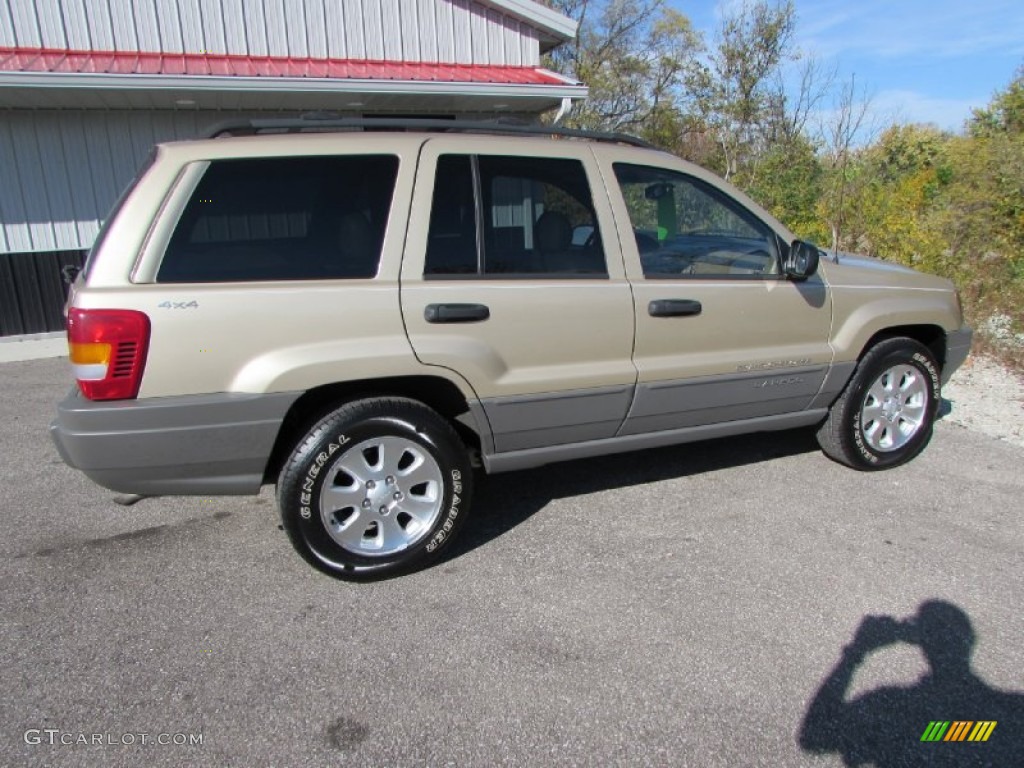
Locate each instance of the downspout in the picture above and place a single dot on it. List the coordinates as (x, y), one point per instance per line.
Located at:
(566, 106)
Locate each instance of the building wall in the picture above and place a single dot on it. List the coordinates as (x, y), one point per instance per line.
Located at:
(33, 291)
(63, 169)
(459, 31)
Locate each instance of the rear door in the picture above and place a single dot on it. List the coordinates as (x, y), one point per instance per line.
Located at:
(508, 281)
(722, 334)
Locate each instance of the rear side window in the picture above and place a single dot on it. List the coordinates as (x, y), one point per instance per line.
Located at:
(513, 216)
(286, 218)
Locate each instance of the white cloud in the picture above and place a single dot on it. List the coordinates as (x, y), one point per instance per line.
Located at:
(913, 107)
(900, 107)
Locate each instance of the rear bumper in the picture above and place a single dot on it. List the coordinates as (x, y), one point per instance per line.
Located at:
(191, 445)
(958, 346)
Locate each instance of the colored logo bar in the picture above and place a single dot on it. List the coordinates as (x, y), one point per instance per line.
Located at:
(958, 730)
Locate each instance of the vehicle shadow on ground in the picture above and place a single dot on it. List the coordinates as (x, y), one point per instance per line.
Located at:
(945, 409)
(945, 719)
(504, 501)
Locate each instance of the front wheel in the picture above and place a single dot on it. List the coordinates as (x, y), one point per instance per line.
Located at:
(885, 415)
(378, 487)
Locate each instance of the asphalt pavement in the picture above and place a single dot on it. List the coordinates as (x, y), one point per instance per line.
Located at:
(706, 605)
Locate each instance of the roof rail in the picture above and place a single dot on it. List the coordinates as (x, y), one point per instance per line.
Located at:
(327, 122)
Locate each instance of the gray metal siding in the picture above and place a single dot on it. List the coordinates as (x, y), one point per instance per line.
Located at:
(64, 170)
(459, 31)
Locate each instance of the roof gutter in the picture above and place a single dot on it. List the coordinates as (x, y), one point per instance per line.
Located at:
(234, 83)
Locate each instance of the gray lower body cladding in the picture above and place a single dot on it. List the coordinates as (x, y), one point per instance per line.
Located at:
(664, 405)
(221, 443)
(958, 346)
(662, 413)
(534, 421)
(190, 445)
(538, 457)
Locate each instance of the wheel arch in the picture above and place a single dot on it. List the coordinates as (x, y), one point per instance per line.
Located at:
(931, 336)
(436, 392)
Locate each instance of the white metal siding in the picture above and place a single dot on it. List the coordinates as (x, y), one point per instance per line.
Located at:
(254, 22)
(147, 24)
(354, 38)
(373, 29)
(460, 31)
(101, 24)
(316, 29)
(63, 170)
(169, 30)
(51, 24)
(427, 25)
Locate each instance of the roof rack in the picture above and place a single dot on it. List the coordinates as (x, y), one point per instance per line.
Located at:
(327, 122)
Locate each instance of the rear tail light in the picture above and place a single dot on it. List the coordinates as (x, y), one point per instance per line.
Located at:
(108, 351)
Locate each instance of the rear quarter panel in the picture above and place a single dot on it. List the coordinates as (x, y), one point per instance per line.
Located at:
(257, 337)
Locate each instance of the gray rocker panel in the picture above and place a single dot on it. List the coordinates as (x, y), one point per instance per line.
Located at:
(537, 457)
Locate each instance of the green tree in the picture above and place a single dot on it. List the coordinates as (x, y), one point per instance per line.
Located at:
(635, 56)
(789, 184)
(984, 220)
(737, 90)
(948, 204)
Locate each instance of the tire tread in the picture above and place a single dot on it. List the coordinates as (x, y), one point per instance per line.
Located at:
(348, 414)
(836, 441)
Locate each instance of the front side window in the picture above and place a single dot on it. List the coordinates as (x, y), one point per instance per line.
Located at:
(498, 215)
(285, 218)
(684, 227)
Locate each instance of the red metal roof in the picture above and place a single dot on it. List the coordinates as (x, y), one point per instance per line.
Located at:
(223, 65)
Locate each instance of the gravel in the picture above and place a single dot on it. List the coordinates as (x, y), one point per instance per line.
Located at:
(987, 397)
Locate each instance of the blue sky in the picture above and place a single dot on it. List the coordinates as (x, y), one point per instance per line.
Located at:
(928, 61)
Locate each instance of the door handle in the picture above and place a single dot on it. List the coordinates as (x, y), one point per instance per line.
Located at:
(673, 307)
(456, 313)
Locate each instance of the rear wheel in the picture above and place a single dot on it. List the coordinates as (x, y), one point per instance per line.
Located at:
(377, 487)
(885, 415)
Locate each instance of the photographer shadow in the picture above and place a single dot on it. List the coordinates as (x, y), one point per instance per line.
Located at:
(885, 727)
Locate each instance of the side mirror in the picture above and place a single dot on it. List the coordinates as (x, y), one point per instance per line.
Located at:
(802, 260)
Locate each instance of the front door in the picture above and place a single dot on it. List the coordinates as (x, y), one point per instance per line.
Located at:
(721, 334)
(508, 281)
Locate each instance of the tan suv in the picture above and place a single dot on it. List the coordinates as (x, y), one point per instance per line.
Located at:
(364, 316)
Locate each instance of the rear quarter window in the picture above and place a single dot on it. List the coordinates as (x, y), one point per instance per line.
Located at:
(286, 218)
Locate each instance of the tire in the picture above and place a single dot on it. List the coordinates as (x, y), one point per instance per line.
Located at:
(885, 415)
(379, 487)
